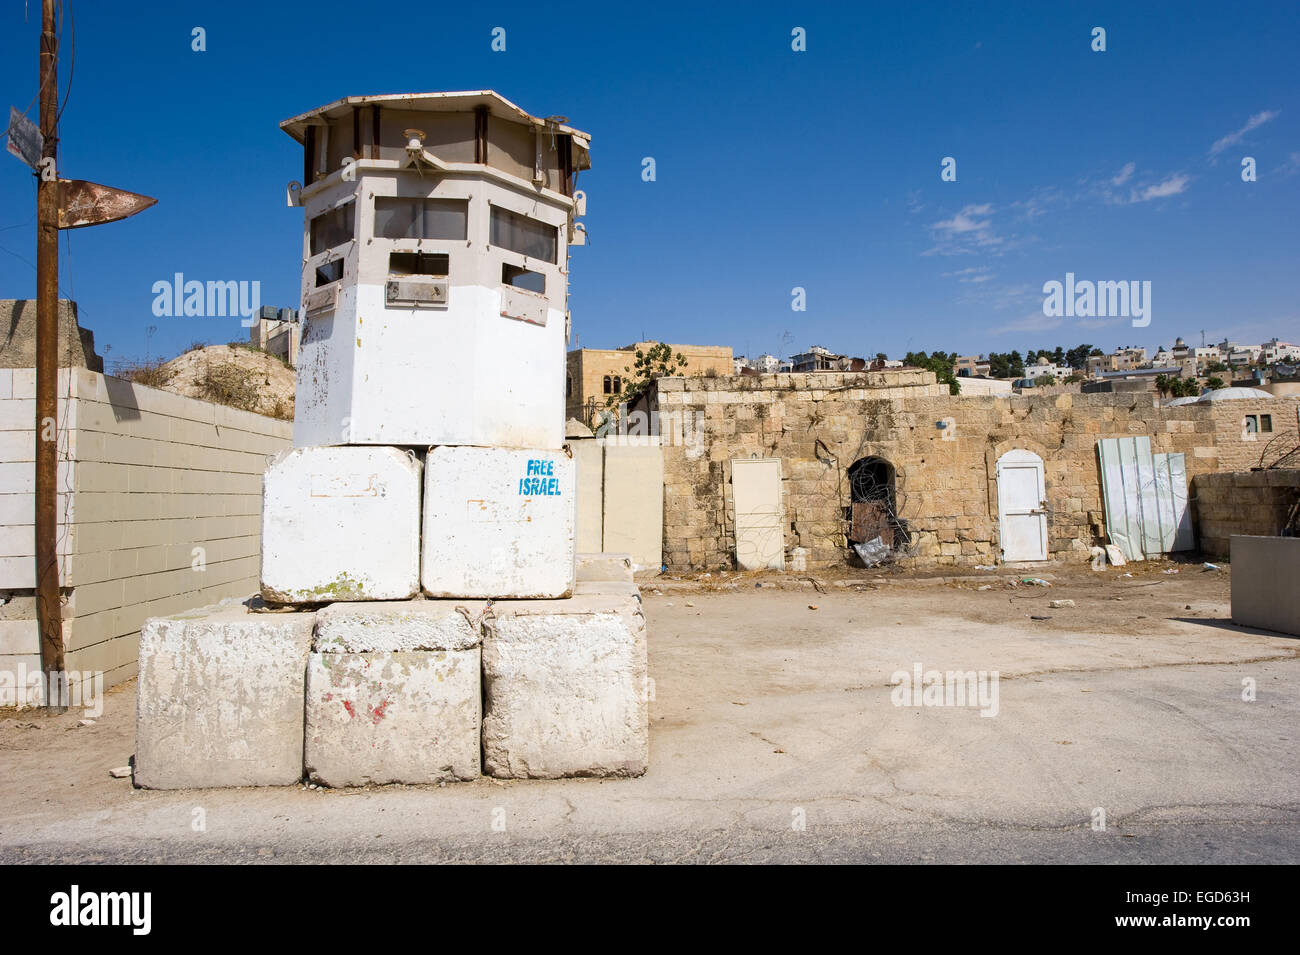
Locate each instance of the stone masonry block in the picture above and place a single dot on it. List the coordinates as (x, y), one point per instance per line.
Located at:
(598, 567)
(393, 693)
(498, 523)
(220, 698)
(341, 524)
(566, 688)
(393, 717)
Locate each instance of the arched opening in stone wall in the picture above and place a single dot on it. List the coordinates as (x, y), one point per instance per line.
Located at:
(875, 532)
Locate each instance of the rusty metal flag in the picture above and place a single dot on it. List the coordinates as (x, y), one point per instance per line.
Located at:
(83, 203)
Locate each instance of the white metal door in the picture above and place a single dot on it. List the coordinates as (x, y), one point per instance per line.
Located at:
(756, 494)
(1022, 506)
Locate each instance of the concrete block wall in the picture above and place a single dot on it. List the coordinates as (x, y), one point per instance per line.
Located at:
(1229, 503)
(946, 478)
(159, 504)
(620, 497)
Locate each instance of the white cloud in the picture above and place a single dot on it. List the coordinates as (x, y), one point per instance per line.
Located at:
(1291, 166)
(1124, 175)
(967, 231)
(1172, 186)
(976, 273)
(1259, 119)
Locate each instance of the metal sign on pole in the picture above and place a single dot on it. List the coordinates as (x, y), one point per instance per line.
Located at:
(83, 203)
(49, 611)
(60, 204)
(25, 140)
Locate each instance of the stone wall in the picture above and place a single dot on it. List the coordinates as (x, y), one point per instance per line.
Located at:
(1242, 502)
(946, 486)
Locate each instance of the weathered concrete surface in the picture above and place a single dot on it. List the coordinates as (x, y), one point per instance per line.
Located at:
(393, 693)
(220, 698)
(1129, 702)
(566, 687)
(341, 524)
(498, 523)
(604, 567)
(1266, 583)
(365, 627)
(393, 717)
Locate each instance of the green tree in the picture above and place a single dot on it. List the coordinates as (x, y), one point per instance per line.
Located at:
(1214, 383)
(657, 361)
(940, 363)
(1077, 357)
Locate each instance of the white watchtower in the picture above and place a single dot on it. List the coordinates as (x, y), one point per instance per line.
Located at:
(435, 271)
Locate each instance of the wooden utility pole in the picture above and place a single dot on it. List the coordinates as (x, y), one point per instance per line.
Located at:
(49, 612)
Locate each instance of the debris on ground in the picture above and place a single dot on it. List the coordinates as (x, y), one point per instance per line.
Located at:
(122, 772)
(1059, 604)
(1115, 555)
(1035, 581)
(1208, 566)
(812, 606)
(873, 552)
(1037, 617)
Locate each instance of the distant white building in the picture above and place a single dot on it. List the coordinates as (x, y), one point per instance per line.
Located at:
(1042, 368)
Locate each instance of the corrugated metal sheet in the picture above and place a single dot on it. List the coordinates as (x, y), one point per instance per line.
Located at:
(1145, 498)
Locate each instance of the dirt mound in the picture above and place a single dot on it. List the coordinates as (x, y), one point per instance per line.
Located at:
(233, 375)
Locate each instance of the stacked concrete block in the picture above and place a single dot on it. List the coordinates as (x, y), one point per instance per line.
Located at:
(566, 689)
(498, 523)
(220, 698)
(393, 694)
(598, 567)
(341, 524)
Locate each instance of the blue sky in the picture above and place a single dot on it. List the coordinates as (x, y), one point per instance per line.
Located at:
(774, 168)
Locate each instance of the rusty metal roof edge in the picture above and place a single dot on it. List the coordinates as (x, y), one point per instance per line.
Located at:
(295, 125)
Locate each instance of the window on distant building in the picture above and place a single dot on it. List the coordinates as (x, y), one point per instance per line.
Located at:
(609, 385)
(618, 385)
(568, 387)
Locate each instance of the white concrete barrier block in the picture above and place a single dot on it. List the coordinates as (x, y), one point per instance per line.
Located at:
(220, 698)
(398, 626)
(341, 524)
(604, 567)
(393, 717)
(498, 523)
(566, 688)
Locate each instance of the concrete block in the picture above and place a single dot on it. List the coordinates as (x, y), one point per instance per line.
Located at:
(566, 688)
(634, 502)
(498, 523)
(1264, 574)
(220, 698)
(393, 717)
(604, 567)
(341, 524)
(397, 626)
